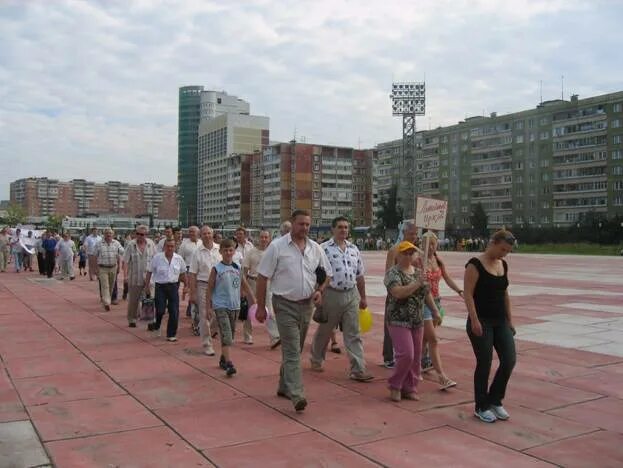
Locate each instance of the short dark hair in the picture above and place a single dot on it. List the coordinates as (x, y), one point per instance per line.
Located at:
(337, 219)
(227, 243)
(177, 229)
(169, 240)
(241, 228)
(296, 213)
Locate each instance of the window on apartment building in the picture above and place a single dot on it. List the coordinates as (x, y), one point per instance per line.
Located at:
(532, 204)
(316, 158)
(618, 185)
(544, 162)
(616, 123)
(519, 125)
(544, 177)
(532, 136)
(519, 139)
(518, 205)
(545, 204)
(545, 219)
(545, 189)
(519, 179)
(316, 167)
(617, 200)
(544, 135)
(532, 164)
(617, 107)
(616, 140)
(543, 121)
(530, 219)
(519, 165)
(617, 170)
(616, 154)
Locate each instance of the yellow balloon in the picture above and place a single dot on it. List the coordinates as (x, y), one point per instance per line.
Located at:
(365, 320)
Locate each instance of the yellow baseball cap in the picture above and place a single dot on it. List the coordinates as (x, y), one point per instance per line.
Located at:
(406, 245)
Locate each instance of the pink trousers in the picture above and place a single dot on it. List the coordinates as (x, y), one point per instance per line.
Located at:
(407, 353)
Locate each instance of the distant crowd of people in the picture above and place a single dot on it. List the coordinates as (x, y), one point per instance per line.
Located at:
(283, 282)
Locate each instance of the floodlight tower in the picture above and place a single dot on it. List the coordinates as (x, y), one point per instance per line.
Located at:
(408, 101)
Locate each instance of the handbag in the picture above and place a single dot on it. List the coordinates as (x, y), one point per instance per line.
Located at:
(147, 312)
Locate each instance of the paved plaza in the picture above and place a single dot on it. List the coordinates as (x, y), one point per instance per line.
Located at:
(78, 388)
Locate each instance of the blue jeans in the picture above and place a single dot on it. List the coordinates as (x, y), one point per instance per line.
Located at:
(18, 258)
(167, 297)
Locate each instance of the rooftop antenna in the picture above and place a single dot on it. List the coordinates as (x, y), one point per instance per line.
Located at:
(562, 87)
(541, 91)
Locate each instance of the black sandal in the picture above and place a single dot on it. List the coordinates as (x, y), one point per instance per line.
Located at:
(335, 348)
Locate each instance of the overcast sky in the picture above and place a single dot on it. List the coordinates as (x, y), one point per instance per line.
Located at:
(89, 89)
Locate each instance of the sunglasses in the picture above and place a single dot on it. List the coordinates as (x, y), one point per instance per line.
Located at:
(140, 233)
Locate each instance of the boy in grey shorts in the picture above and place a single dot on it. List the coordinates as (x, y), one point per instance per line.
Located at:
(223, 300)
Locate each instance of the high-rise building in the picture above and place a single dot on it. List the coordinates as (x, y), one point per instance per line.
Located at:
(547, 166)
(326, 180)
(40, 196)
(226, 143)
(195, 105)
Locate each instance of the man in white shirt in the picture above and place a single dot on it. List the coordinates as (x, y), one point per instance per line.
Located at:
(243, 246)
(190, 245)
(66, 251)
(342, 299)
(168, 234)
(138, 255)
(205, 257)
(167, 268)
(251, 262)
(290, 263)
(108, 254)
(90, 244)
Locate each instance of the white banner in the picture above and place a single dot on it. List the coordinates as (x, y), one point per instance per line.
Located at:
(430, 213)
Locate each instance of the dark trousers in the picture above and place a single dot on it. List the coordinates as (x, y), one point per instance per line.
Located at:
(50, 262)
(501, 338)
(388, 346)
(41, 263)
(167, 297)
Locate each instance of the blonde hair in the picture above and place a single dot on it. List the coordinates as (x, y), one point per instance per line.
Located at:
(503, 236)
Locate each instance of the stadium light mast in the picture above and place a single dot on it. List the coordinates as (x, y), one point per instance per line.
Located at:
(408, 101)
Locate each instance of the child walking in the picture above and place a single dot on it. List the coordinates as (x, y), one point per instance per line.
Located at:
(82, 260)
(225, 286)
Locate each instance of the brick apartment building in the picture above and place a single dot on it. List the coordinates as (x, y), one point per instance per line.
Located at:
(40, 196)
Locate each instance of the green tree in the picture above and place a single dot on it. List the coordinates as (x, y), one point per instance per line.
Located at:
(480, 220)
(389, 213)
(16, 214)
(55, 223)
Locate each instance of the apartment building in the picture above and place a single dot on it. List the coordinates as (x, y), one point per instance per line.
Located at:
(195, 105)
(41, 196)
(326, 180)
(546, 166)
(225, 145)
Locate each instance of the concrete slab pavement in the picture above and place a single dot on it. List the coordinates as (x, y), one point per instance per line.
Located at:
(80, 388)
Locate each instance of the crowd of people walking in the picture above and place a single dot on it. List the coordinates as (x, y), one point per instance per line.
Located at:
(283, 282)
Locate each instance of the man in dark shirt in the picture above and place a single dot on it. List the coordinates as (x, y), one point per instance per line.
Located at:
(49, 246)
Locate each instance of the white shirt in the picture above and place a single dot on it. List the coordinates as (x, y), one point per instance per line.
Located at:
(163, 271)
(203, 260)
(244, 249)
(292, 274)
(66, 249)
(346, 264)
(188, 248)
(91, 243)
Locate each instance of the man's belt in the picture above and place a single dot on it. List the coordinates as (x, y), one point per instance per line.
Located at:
(300, 301)
(340, 290)
(106, 266)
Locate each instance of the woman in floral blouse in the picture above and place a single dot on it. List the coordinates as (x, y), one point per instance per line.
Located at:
(407, 291)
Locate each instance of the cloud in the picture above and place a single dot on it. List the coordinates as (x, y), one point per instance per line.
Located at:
(89, 89)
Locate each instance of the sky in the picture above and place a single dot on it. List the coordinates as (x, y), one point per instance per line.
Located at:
(90, 89)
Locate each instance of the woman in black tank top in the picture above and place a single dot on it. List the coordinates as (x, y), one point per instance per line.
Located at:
(490, 324)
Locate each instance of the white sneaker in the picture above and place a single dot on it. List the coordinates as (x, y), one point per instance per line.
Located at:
(485, 416)
(500, 412)
(209, 351)
(172, 338)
